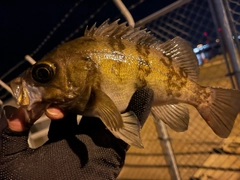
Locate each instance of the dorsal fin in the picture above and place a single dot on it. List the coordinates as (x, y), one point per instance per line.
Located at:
(177, 49)
(180, 51)
(121, 31)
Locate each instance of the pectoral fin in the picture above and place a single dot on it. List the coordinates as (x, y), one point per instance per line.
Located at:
(123, 126)
(176, 116)
(130, 133)
(101, 106)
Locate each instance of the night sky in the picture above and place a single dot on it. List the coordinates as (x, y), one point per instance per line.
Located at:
(37, 27)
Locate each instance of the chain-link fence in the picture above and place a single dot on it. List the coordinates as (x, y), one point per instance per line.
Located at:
(199, 153)
(232, 7)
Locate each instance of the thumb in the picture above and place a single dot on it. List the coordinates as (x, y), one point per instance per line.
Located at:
(14, 137)
(16, 119)
(54, 113)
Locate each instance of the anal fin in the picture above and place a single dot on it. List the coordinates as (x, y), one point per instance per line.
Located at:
(130, 133)
(176, 116)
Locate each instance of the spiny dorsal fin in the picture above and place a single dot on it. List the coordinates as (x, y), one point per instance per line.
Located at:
(121, 31)
(183, 56)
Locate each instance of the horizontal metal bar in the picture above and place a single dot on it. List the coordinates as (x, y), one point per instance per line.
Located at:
(161, 12)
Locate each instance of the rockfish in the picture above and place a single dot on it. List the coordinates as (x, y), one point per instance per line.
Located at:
(96, 75)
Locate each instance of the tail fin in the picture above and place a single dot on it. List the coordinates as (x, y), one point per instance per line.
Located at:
(221, 110)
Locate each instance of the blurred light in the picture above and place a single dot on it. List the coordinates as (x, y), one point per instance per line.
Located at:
(205, 46)
(195, 50)
(205, 33)
(238, 37)
(219, 29)
(217, 40)
(200, 47)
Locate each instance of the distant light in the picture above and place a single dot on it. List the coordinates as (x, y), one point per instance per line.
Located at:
(200, 47)
(238, 37)
(205, 46)
(219, 29)
(217, 40)
(205, 33)
(195, 50)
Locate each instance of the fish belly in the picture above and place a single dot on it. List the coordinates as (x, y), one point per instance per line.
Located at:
(119, 80)
(120, 93)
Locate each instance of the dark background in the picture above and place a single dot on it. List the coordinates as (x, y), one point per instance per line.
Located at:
(37, 27)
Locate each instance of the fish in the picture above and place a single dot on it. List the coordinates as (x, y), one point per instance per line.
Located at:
(96, 75)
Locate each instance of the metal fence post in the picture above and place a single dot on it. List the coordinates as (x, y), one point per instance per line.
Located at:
(227, 38)
(223, 46)
(167, 149)
(231, 22)
(161, 12)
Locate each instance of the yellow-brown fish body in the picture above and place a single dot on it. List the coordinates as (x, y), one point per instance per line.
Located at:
(96, 75)
(121, 68)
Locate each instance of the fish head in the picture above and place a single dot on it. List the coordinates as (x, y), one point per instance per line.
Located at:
(50, 82)
(32, 87)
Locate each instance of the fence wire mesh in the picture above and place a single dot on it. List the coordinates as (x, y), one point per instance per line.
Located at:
(200, 154)
(233, 8)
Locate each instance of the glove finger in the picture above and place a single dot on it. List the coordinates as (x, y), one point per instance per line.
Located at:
(141, 103)
(3, 124)
(3, 119)
(61, 128)
(16, 119)
(10, 138)
(90, 125)
(1, 108)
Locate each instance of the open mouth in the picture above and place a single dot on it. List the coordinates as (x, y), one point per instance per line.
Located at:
(29, 98)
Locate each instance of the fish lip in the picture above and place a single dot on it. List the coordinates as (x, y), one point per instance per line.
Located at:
(34, 114)
(17, 89)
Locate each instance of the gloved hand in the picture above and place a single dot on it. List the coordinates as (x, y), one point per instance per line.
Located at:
(85, 151)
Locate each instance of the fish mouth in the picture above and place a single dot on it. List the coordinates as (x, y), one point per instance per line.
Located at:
(19, 92)
(35, 113)
(29, 98)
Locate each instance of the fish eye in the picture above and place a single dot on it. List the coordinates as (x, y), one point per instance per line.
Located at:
(43, 72)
